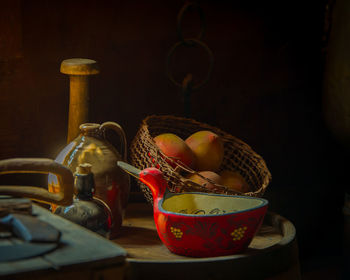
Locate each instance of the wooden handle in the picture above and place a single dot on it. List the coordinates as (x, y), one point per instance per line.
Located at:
(78, 69)
(43, 166)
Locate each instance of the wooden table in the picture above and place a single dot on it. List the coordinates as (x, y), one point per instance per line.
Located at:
(81, 254)
(273, 253)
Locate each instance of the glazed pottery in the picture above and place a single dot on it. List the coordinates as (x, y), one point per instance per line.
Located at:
(112, 185)
(201, 224)
(87, 211)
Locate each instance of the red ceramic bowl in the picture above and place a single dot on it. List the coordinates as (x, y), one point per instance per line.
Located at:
(201, 224)
(208, 225)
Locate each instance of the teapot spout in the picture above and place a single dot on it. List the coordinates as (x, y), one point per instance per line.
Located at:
(151, 177)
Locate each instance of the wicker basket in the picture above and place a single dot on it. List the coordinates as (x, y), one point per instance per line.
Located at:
(238, 156)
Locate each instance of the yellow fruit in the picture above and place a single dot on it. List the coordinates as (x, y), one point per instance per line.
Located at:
(173, 146)
(233, 180)
(207, 174)
(208, 148)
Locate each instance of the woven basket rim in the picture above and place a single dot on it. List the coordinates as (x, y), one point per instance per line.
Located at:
(224, 135)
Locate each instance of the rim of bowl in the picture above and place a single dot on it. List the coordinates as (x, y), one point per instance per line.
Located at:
(265, 202)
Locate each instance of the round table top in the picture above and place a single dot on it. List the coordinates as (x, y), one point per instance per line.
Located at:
(140, 239)
(272, 254)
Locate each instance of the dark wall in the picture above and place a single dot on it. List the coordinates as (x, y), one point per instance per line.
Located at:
(265, 88)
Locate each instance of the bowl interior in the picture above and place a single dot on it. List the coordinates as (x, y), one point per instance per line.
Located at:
(209, 204)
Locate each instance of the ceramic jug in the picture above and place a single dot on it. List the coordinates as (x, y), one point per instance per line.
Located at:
(112, 185)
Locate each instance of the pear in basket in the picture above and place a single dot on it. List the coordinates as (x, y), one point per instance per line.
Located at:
(212, 176)
(173, 146)
(208, 148)
(234, 181)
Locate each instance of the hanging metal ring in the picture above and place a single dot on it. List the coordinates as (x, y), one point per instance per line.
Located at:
(180, 16)
(193, 42)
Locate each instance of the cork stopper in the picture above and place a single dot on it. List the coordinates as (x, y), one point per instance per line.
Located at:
(84, 168)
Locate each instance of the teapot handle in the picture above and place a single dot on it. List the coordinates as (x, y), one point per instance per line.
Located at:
(43, 166)
(119, 130)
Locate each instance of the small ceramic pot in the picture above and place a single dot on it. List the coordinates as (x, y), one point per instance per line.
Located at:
(86, 210)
